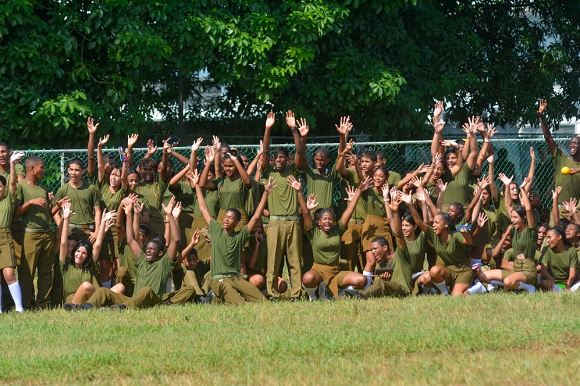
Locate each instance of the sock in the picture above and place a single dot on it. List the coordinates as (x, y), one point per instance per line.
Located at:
(527, 287)
(416, 275)
(107, 284)
(477, 288)
(167, 286)
(497, 283)
(475, 263)
(311, 292)
(442, 287)
(16, 295)
(369, 278)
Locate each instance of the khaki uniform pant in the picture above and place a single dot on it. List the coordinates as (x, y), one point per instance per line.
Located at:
(181, 296)
(284, 237)
(122, 276)
(191, 281)
(104, 297)
(37, 252)
(236, 291)
(382, 288)
(350, 246)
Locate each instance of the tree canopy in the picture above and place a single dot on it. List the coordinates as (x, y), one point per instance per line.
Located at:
(383, 63)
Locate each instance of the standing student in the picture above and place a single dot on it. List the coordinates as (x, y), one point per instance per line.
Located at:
(284, 228)
(226, 250)
(86, 202)
(570, 182)
(7, 255)
(37, 245)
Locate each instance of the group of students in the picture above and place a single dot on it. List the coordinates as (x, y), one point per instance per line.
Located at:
(139, 234)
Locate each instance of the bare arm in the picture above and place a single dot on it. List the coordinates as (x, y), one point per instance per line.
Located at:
(243, 173)
(406, 198)
(555, 210)
(545, 129)
(209, 159)
(92, 128)
(356, 193)
(107, 220)
(532, 167)
(253, 165)
(66, 213)
(200, 199)
(258, 212)
(340, 161)
(297, 186)
(270, 120)
(529, 212)
(131, 242)
(175, 236)
(100, 159)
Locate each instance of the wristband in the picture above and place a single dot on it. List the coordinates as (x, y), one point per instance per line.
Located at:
(486, 140)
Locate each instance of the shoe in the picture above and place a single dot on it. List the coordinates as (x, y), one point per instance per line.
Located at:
(208, 299)
(295, 299)
(118, 307)
(274, 300)
(77, 307)
(352, 293)
(324, 293)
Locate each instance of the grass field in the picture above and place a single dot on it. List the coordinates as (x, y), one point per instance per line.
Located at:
(513, 339)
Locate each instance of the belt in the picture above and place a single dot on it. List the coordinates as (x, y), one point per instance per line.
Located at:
(17, 219)
(35, 230)
(229, 276)
(82, 226)
(356, 221)
(285, 218)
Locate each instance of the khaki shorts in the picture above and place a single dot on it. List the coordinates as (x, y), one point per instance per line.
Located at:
(7, 255)
(376, 226)
(460, 274)
(332, 275)
(531, 277)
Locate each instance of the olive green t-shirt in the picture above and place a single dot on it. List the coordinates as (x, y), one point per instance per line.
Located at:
(83, 199)
(453, 252)
(401, 269)
(359, 210)
(326, 248)
(111, 200)
(154, 195)
(374, 203)
(212, 202)
(231, 193)
(183, 193)
(416, 252)
(261, 259)
(127, 259)
(488, 231)
(154, 275)
(458, 189)
(73, 277)
(559, 263)
(36, 216)
(394, 178)
(226, 250)
(282, 201)
(570, 183)
(7, 209)
(19, 172)
(524, 242)
(322, 186)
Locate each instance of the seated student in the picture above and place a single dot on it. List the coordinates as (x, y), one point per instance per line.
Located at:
(226, 250)
(153, 268)
(7, 255)
(256, 263)
(324, 279)
(78, 274)
(559, 263)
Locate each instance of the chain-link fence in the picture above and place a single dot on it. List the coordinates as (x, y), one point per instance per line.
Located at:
(512, 158)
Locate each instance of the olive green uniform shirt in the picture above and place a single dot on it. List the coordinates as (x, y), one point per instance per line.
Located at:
(524, 242)
(154, 275)
(322, 186)
(416, 252)
(458, 189)
(401, 269)
(226, 250)
(282, 201)
(570, 183)
(326, 248)
(231, 193)
(73, 277)
(36, 216)
(453, 252)
(83, 201)
(559, 263)
(7, 209)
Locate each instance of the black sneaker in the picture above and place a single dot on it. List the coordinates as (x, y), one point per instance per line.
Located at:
(274, 300)
(352, 293)
(77, 307)
(118, 307)
(208, 299)
(324, 293)
(295, 299)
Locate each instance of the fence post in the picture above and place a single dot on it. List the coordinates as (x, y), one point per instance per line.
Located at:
(62, 167)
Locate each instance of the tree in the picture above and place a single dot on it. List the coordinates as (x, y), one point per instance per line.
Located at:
(381, 62)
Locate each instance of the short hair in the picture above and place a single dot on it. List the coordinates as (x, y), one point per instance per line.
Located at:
(76, 161)
(369, 154)
(237, 214)
(281, 150)
(5, 144)
(159, 240)
(323, 152)
(192, 252)
(459, 206)
(31, 161)
(145, 229)
(380, 153)
(381, 241)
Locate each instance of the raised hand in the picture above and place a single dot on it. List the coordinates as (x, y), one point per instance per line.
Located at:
(151, 148)
(438, 157)
(303, 128)
(270, 120)
(16, 156)
(395, 200)
(532, 154)
(66, 210)
(406, 198)
(504, 179)
(132, 140)
(542, 106)
(345, 126)
(571, 206)
(216, 143)
(127, 205)
(437, 110)
(176, 209)
(350, 192)
(421, 196)
(525, 183)
(194, 178)
(209, 154)
(479, 125)
(196, 144)
(491, 159)
(290, 119)
(438, 126)
(491, 131)
(195, 237)
(137, 207)
(260, 149)
(311, 202)
(366, 184)
(91, 127)
(481, 219)
(556, 193)
(386, 192)
(441, 185)
(294, 183)
(167, 147)
(416, 181)
(169, 208)
(483, 183)
(450, 143)
(349, 146)
(271, 185)
(103, 141)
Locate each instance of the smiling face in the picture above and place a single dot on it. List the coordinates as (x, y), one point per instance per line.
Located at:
(81, 254)
(517, 221)
(451, 159)
(230, 169)
(379, 251)
(439, 224)
(148, 172)
(454, 212)
(115, 178)
(553, 238)
(153, 252)
(437, 171)
(37, 170)
(109, 164)
(321, 162)
(4, 155)
(280, 161)
(485, 197)
(408, 228)
(379, 178)
(572, 233)
(574, 146)
(133, 181)
(514, 193)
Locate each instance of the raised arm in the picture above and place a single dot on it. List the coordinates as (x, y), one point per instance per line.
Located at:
(300, 157)
(471, 158)
(167, 148)
(260, 208)
(343, 128)
(92, 128)
(532, 170)
(423, 196)
(270, 120)
(491, 176)
(200, 199)
(469, 213)
(194, 241)
(353, 195)
(555, 210)
(496, 252)
(209, 159)
(131, 141)
(545, 129)
(100, 159)
(408, 199)
(131, 242)
(14, 158)
(437, 128)
(506, 195)
(340, 161)
(254, 164)
(107, 219)
(175, 237)
(66, 214)
(392, 201)
(524, 196)
(193, 156)
(243, 173)
(297, 186)
(174, 182)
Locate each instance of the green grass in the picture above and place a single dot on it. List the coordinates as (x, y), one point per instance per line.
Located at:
(513, 339)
